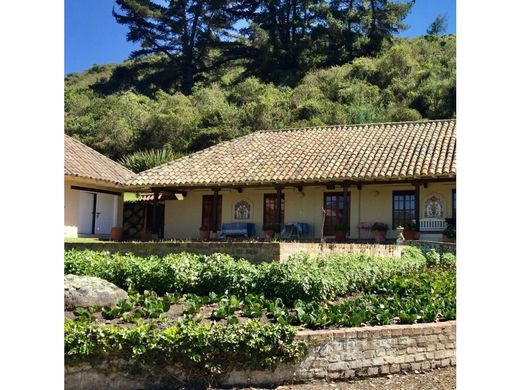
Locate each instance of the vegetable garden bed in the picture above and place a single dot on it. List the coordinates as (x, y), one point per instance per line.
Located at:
(211, 314)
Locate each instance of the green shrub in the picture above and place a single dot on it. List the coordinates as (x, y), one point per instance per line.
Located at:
(202, 347)
(448, 259)
(223, 274)
(300, 277)
(323, 278)
(432, 257)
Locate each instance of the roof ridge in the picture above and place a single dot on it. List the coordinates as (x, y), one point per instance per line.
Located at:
(354, 124)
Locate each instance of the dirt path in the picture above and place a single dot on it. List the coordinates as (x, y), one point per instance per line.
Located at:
(439, 379)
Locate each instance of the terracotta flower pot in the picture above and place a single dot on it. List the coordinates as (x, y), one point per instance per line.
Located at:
(145, 235)
(409, 234)
(116, 234)
(380, 235)
(204, 235)
(341, 235)
(269, 234)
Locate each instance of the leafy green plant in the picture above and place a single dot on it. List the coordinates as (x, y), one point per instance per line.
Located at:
(448, 259)
(432, 257)
(85, 313)
(379, 227)
(146, 159)
(450, 232)
(191, 344)
(226, 307)
(253, 305)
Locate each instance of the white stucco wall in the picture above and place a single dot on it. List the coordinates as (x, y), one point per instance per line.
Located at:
(71, 203)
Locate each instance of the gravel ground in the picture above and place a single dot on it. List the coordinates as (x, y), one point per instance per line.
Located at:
(439, 379)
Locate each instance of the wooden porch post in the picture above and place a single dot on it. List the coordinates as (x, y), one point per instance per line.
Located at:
(154, 211)
(417, 206)
(346, 184)
(278, 218)
(214, 210)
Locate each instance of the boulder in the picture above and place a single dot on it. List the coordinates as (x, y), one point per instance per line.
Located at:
(84, 291)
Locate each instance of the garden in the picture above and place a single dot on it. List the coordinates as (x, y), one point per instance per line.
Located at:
(211, 313)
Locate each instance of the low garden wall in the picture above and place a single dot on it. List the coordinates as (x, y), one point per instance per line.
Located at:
(440, 247)
(255, 252)
(287, 249)
(333, 355)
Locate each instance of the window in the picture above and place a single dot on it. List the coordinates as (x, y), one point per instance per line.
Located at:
(334, 208)
(270, 209)
(403, 208)
(207, 210)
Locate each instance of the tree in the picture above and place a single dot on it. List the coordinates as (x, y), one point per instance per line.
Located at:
(182, 30)
(438, 26)
(360, 27)
(280, 31)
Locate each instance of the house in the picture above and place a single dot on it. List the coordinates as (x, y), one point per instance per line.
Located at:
(94, 188)
(315, 178)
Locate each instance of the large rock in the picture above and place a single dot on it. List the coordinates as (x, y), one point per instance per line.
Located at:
(84, 291)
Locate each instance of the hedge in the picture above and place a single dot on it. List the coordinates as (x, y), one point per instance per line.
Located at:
(300, 277)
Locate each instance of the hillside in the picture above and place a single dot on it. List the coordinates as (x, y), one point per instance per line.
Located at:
(120, 109)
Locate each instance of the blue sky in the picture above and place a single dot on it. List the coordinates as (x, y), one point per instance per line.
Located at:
(92, 36)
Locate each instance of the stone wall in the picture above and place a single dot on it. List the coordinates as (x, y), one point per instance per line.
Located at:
(287, 249)
(333, 355)
(440, 247)
(255, 252)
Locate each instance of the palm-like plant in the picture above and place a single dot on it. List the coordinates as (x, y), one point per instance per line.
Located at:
(146, 159)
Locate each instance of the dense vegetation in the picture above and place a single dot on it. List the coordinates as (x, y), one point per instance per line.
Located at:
(300, 277)
(216, 313)
(322, 64)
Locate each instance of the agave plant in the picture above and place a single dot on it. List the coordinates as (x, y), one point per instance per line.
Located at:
(146, 159)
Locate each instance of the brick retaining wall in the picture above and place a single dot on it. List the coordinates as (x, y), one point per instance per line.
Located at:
(333, 354)
(255, 252)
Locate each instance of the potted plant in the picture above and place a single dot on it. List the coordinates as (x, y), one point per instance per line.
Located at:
(204, 233)
(409, 231)
(342, 231)
(379, 229)
(116, 233)
(449, 234)
(145, 235)
(270, 230)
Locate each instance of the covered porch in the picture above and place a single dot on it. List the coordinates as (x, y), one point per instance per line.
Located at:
(307, 212)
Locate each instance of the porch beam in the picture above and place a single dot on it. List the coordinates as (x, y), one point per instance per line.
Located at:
(154, 211)
(214, 210)
(417, 206)
(408, 181)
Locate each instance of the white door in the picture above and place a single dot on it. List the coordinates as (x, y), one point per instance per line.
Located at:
(105, 213)
(86, 208)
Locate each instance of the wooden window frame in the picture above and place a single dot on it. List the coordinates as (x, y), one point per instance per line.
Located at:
(273, 197)
(412, 209)
(207, 208)
(328, 229)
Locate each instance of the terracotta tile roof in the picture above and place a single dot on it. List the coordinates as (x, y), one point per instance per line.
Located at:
(366, 152)
(85, 162)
